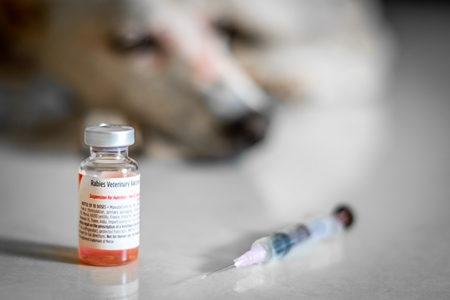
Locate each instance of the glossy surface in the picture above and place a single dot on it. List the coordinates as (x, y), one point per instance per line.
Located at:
(398, 247)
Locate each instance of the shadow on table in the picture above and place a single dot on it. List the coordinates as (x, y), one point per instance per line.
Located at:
(40, 251)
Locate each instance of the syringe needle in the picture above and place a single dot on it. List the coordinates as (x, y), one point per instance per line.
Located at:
(220, 270)
(279, 244)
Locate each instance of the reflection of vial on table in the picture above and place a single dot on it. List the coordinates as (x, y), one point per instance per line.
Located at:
(109, 198)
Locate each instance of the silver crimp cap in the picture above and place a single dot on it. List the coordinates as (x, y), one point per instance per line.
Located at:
(106, 135)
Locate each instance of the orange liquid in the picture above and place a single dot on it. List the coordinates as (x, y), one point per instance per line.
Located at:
(100, 257)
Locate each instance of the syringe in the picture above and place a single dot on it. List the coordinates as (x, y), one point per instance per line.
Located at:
(277, 245)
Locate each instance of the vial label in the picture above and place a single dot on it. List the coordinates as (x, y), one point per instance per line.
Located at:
(109, 212)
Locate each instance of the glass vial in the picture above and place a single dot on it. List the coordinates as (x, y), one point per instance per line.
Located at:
(109, 198)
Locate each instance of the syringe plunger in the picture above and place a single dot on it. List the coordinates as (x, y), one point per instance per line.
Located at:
(279, 244)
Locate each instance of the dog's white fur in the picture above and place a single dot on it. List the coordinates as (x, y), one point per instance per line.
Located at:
(323, 51)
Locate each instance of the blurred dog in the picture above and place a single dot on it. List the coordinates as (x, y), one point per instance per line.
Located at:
(200, 74)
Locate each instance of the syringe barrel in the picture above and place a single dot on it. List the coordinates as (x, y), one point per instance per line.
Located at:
(279, 244)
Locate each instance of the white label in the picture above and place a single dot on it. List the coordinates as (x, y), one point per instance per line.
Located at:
(109, 212)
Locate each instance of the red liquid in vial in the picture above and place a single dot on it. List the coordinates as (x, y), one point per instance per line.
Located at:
(101, 257)
(107, 257)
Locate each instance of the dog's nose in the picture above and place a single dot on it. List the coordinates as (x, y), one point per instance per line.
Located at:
(248, 130)
(243, 110)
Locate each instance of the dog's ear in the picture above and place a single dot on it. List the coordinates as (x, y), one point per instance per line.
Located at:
(22, 23)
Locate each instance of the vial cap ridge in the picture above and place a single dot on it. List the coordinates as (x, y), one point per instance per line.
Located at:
(107, 135)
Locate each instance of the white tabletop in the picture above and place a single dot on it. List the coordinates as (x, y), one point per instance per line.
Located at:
(196, 218)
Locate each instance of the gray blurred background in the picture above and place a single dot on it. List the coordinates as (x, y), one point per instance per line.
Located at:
(389, 161)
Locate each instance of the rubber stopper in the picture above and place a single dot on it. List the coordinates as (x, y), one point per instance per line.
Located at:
(345, 215)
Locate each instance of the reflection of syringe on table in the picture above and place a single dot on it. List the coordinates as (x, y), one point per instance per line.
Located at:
(277, 245)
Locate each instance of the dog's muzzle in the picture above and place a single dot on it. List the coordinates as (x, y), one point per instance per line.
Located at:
(245, 116)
